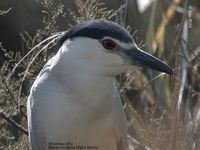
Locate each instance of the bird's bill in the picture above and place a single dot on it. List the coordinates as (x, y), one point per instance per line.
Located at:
(136, 55)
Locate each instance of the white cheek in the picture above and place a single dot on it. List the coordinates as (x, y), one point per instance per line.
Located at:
(114, 59)
(113, 64)
(90, 55)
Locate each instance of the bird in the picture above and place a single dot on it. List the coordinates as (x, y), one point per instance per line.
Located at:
(74, 102)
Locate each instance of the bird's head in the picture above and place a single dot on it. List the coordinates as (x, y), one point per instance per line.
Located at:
(108, 48)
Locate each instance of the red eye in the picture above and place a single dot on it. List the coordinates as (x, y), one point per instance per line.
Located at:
(108, 44)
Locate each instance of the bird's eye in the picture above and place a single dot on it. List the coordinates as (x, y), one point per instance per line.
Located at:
(108, 44)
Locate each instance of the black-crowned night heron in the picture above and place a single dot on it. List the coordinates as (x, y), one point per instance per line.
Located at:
(73, 103)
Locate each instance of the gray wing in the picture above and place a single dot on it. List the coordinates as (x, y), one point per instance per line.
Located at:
(35, 126)
(46, 67)
(122, 122)
(35, 117)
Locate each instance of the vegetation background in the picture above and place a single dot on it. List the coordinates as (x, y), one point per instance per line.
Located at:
(163, 111)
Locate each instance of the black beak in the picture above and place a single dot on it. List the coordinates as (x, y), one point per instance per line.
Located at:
(136, 55)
